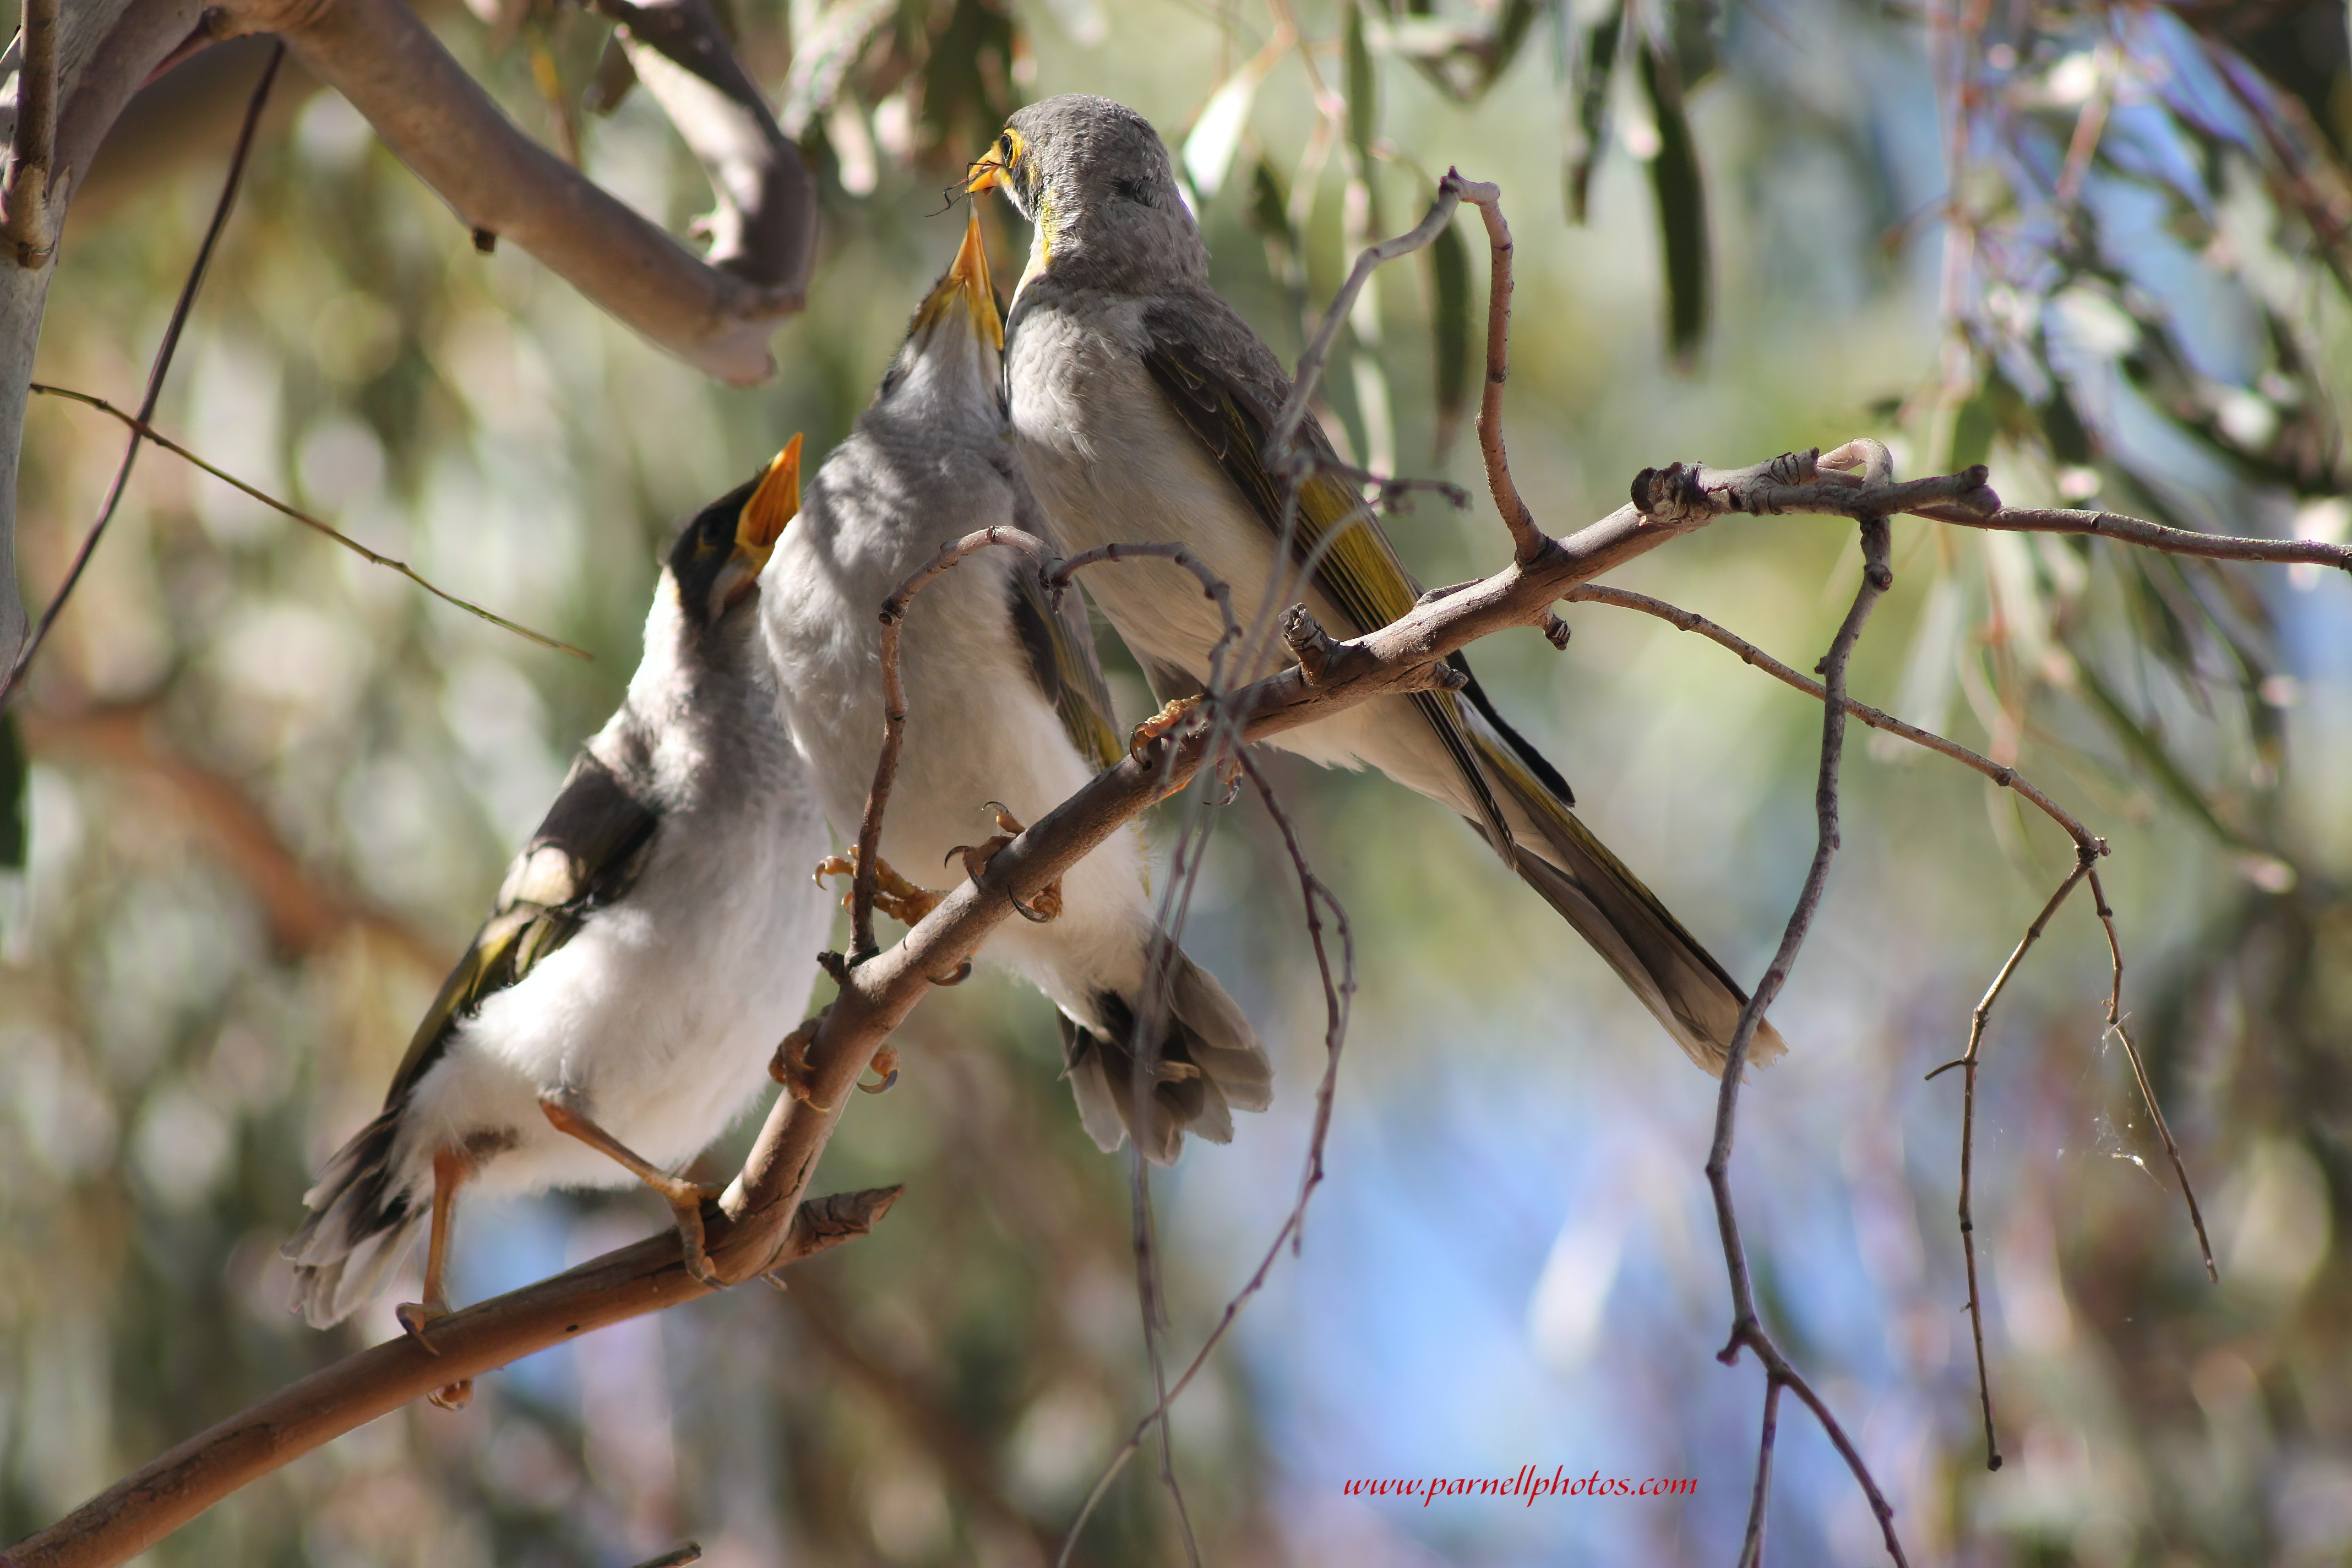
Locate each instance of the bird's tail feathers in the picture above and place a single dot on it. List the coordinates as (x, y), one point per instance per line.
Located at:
(361, 1224)
(1675, 977)
(1209, 1064)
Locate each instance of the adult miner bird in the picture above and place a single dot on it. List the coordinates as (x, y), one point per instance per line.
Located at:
(1005, 705)
(1142, 404)
(651, 944)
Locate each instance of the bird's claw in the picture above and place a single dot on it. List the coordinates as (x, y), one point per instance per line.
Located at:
(687, 1205)
(886, 1062)
(1048, 904)
(894, 895)
(789, 1064)
(1139, 739)
(414, 1317)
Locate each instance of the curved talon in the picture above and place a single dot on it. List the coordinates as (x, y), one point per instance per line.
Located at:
(1046, 905)
(962, 973)
(886, 1062)
(893, 895)
(414, 1317)
(789, 1064)
(688, 1213)
(1139, 739)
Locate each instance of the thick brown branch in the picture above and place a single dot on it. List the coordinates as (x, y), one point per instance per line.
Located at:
(441, 123)
(764, 227)
(141, 1508)
(26, 221)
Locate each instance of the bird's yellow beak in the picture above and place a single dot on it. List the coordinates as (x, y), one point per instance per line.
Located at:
(774, 505)
(993, 168)
(966, 277)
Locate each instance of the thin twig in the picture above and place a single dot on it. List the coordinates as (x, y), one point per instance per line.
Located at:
(156, 371)
(1747, 1328)
(2139, 1074)
(1338, 998)
(1751, 1546)
(1527, 540)
(894, 715)
(1686, 620)
(1968, 1062)
(142, 429)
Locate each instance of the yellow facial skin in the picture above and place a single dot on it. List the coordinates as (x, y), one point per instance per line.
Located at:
(1001, 169)
(994, 168)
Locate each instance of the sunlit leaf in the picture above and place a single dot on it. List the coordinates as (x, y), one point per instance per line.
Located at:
(1216, 136)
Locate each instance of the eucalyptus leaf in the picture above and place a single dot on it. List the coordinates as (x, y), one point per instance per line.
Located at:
(1674, 179)
(1449, 274)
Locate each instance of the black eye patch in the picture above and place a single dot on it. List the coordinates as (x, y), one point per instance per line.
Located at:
(1132, 191)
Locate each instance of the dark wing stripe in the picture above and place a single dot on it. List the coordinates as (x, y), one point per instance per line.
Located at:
(606, 834)
(1062, 661)
(1359, 562)
(1536, 762)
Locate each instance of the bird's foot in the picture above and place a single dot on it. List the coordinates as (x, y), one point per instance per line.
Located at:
(686, 1201)
(1139, 739)
(894, 895)
(416, 1317)
(789, 1064)
(886, 1062)
(1048, 904)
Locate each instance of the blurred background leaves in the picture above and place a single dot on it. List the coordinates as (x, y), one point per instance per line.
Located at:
(2101, 247)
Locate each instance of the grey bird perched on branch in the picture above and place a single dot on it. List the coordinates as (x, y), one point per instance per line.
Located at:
(1004, 700)
(1142, 404)
(651, 944)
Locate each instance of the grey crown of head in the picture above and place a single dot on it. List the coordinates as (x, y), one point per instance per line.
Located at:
(1095, 175)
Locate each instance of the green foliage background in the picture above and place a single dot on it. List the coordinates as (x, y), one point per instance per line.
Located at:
(272, 789)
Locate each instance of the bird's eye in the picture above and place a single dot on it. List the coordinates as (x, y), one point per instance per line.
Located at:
(1004, 146)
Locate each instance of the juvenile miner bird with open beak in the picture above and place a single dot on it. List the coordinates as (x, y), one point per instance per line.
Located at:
(1142, 404)
(651, 943)
(1006, 716)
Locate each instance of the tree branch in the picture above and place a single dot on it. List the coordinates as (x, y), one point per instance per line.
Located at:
(141, 1508)
(764, 229)
(157, 371)
(441, 123)
(755, 1228)
(1747, 1328)
(26, 222)
(141, 428)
